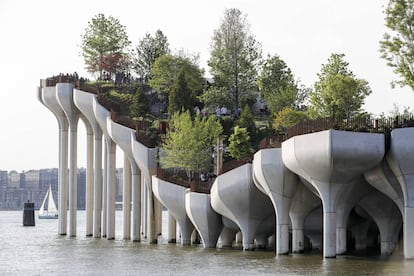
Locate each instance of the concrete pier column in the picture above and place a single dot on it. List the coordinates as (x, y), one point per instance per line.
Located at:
(234, 195)
(333, 161)
(63, 179)
(172, 228)
(144, 212)
(104, 189)
(64, 93)
(73, 178)
(272, 177)
(87, 105)
(136, 202)
(388, 218)
(89, 179)
(401, 161)
(126, 199)
(347, 200)
(227, 237)
(111, 189)
(48, 97)
(97, 189)
(172, 196)
(303, 202)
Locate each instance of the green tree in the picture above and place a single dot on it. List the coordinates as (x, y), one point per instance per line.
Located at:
(246, 121)
(140, 104)
(188, 143)
(235, 58)
(277, 84)
(104, 45)
(287, 118)
(338, 93)
(239, 143)
(181, 97)
(166, 70)
(397, 47)
(148, 50)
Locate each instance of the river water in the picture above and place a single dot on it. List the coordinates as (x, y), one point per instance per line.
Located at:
(40, 251)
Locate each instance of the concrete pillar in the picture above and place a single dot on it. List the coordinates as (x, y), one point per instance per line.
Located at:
(97, 201)
(104, 189)
(111, 189)
(401, 161)
(89, 179)
(172, 228)
(330, 164)
(144, 197)
(303, 202)
(227, 237)
(73, 177)
(126, 198)
(63, 178)
(136, 202)
(274, 179)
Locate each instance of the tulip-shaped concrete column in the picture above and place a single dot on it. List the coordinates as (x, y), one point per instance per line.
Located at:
(89, 177)
(303, 202)
(271, 175)
(47, 95)
(331, 159)
(136, 202)
(84, 102)
(387, 217)
(172, 196)
(207, 222)
(234, 195)
(122, 136)
(350, 197)
(64, 92)
(146, 158)
(108, 194)
(383, 179)
(401, 161)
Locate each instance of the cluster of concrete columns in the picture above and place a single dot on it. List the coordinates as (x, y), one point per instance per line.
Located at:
(328, 171)
(141, 214)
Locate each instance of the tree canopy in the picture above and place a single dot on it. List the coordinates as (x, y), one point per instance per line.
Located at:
(104, 45)
(188, 143)
(338, 93)
(397, 47)
(148, 50)
(277, 84)
(235, 58)
(239, 143)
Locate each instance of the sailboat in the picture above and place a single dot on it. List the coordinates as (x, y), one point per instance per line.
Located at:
(51, 212)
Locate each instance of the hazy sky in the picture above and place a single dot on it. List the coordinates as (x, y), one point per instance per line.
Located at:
(40, 39)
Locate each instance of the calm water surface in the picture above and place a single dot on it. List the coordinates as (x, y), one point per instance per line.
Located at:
(40, 251)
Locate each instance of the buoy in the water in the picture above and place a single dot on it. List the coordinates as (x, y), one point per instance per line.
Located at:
(28, 214)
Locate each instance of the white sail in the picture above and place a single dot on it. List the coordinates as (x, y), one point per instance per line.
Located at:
(51, 211)
(51, 206)
(42, 208)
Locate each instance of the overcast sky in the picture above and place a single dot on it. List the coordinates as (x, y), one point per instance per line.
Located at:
(40, 39)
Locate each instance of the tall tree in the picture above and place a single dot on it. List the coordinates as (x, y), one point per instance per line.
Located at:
(235, 57)
(105, 45)
(397, 47)
(338, 93)
(188, 143)
(148, 50)
(139, 106)
(166, 70)
(277, 84)
(180, 98)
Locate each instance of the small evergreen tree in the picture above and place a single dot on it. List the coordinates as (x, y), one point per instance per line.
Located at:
(239, 143)
(246, 121)
(180, 97)
(139, 106)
